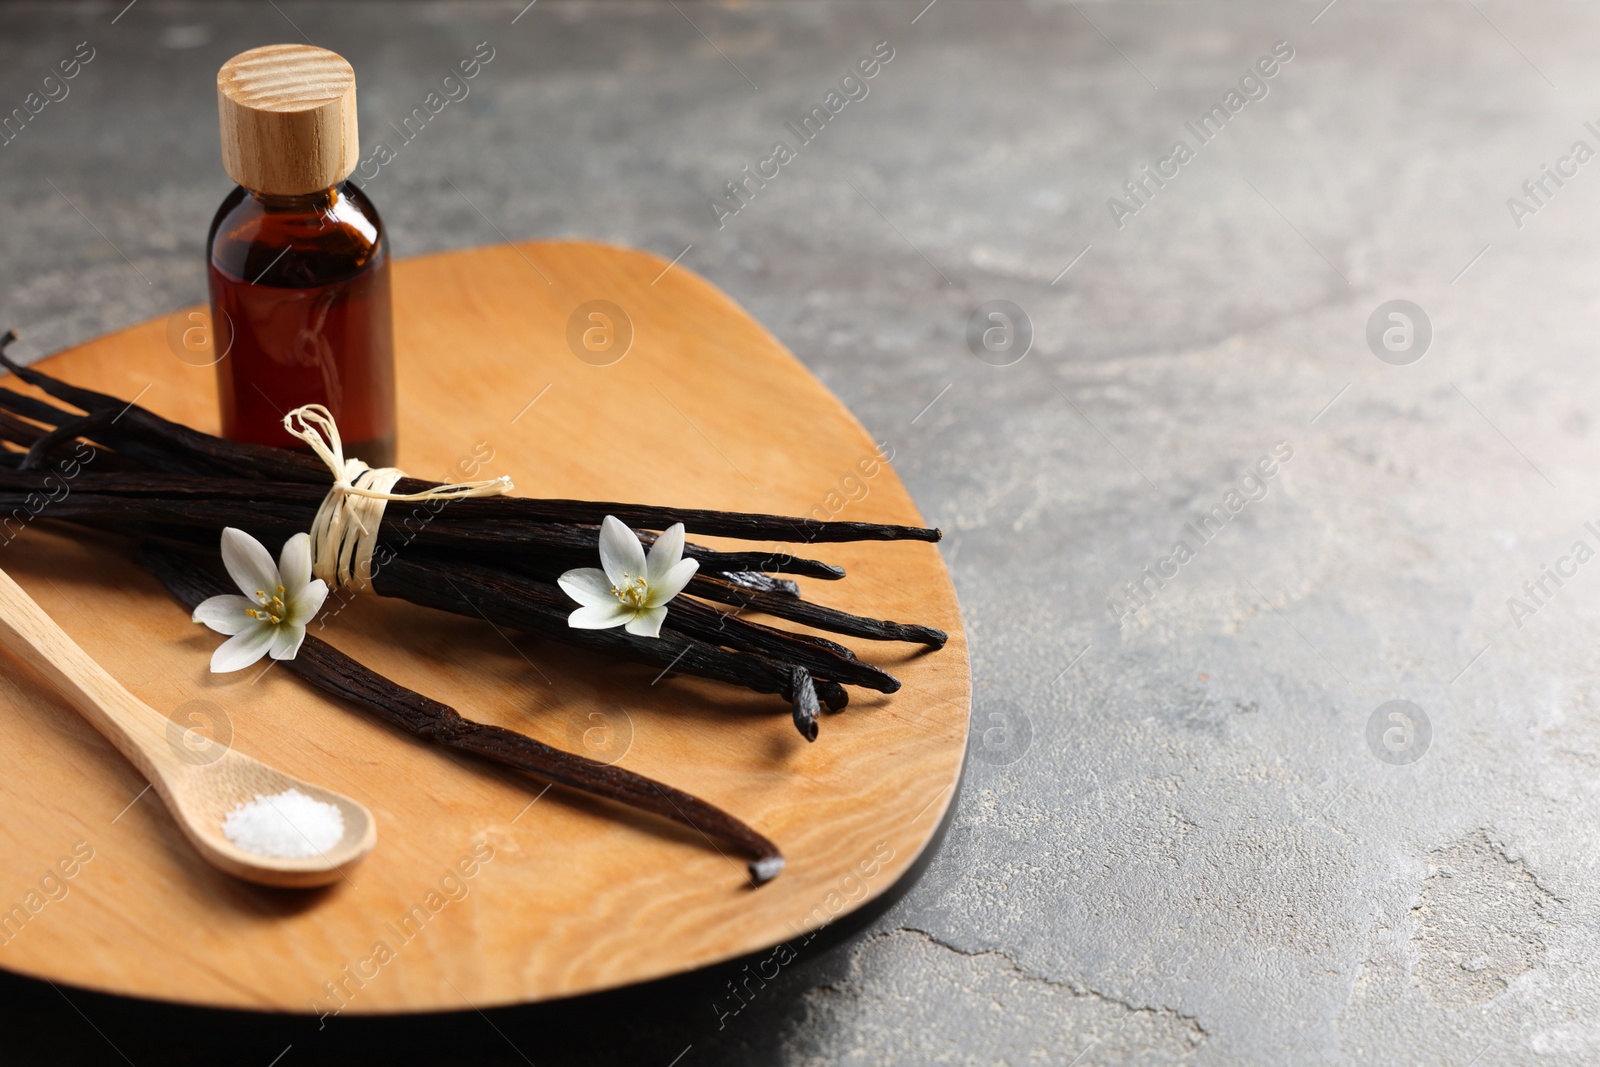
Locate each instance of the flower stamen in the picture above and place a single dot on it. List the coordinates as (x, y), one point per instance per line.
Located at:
(273, 609)
(633, 593)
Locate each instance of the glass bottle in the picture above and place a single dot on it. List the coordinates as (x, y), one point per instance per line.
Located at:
(298, 258)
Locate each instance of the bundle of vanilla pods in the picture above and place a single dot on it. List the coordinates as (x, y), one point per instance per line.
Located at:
(495, 558)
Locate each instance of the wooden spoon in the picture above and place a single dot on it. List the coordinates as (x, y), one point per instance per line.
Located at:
(200, 786)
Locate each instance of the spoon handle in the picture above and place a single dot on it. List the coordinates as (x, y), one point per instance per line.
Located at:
(127, 722)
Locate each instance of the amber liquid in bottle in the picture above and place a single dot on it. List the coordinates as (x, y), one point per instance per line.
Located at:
(300, 313)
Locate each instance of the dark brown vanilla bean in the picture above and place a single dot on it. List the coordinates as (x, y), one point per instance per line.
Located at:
(79, 451)
(544, 615)
(284, 465)
(334, 672)
(823, 618)
(152, 456)
(824, 659)
(31, 407)
(776, 562)
(133, 421)
(518, 603)
(493, 558)
(834, 696)
(39, 451)
(168, 499)
(765, 583)
(207, 500)
(17, 431)
(200, 502)
(805, 705)
(750, 526)
(539, 608)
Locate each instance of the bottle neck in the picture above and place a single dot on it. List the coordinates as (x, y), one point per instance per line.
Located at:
(298, 203)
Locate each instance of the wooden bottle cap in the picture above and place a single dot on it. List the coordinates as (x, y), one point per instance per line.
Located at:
(288, 116)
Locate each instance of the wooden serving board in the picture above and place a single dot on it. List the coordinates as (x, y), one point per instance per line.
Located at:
(566, 895)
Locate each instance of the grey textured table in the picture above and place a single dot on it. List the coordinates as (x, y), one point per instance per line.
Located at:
(1193, 828)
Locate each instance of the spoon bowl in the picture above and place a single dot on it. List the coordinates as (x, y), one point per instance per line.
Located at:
(202, 798)
(201, 785)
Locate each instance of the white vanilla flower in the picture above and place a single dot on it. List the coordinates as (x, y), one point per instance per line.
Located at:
(278, 601)
(631, 591)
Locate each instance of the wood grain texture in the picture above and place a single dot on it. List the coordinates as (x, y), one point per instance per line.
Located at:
(566, 895)
(199, 781)
(288, 115)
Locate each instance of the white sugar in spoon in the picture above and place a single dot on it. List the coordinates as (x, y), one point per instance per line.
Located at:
(200, 793)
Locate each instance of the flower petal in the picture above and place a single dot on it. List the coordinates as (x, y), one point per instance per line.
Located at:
(286, 642)
(226, 614)
(589, 586)
(248, 562)
(294, 562)
(621, 554)
(306, 602)
(242, 649)
(647, 623)
(599, 616)
(666, 552)
(672, 583)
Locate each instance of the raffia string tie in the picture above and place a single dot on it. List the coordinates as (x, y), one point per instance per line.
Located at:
(345, 531)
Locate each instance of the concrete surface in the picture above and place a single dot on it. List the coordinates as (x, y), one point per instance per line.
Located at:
(1191, 831)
